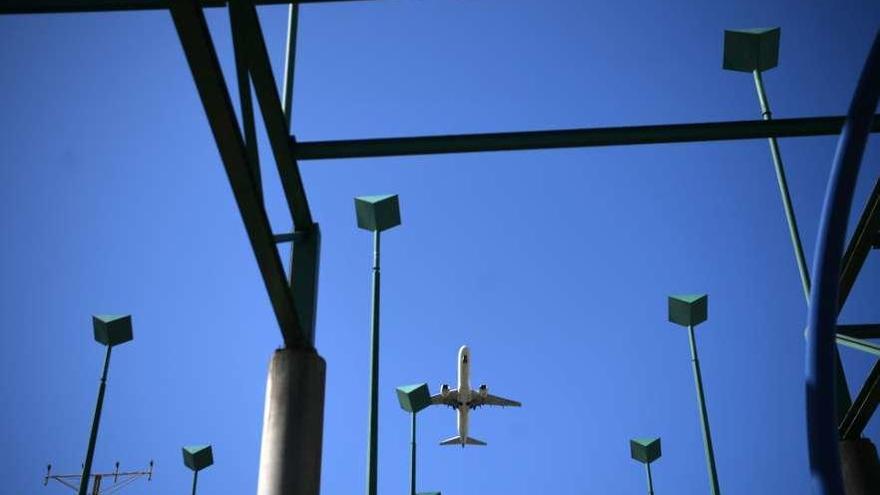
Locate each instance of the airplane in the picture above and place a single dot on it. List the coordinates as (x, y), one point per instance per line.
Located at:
(463, 399)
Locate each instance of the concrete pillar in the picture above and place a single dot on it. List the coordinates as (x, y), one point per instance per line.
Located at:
(293, 424)
(860, 467)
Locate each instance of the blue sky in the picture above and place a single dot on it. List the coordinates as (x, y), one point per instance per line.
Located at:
(553, 266)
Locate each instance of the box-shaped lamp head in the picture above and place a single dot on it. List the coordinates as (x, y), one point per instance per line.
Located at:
(112, 330)
(645, 450)
(688, 310)
(414, 398)
(746, 50)
(377, 213)
(198, 457)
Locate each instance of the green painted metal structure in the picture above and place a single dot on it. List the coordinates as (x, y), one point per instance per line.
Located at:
(572, 138)
(646, 451)
(755, 51)
(413, 398)
(376, 214)
(293, 298)
(197, 457)
(689, 311)
(109, 330)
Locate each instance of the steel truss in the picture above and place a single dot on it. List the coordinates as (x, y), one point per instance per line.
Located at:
(293, 301)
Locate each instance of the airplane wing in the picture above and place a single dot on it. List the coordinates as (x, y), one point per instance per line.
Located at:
(478, 400)
(450, 400)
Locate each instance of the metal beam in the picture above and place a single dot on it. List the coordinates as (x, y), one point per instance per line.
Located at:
(859, 344)
(860, 244)
(864, 331)
(273, 116)
(246, 104)
(189, 20)
(71, 6)
(572, 138)
(863, 407)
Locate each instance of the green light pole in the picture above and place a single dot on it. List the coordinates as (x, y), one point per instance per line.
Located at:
(375, 213)
(754, 51)
(689, 311)
(197, 457)
(646, 451)
(109, 330)
(413, 398)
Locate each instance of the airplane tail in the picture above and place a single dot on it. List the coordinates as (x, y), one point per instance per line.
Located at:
(457, 440)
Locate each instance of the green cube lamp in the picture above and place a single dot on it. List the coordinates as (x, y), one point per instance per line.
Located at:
(197, 457)
(689, 311)
(646, 451)
(109, 330)
(376, 214)
(413, 398)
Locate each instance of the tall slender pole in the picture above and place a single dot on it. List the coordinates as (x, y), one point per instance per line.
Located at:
(783, 190)
(650, 480)
(195, 480)
(90, 452)
(843, 400)
(704, 416)
(412, 453)
(372, 452)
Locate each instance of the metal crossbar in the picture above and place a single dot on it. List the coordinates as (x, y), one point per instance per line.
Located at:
(573, 138)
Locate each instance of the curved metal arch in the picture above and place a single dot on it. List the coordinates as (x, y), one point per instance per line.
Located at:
(822, 437)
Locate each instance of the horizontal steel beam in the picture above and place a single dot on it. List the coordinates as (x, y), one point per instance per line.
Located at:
(202, 58)
(572, 138)
(72, 6)
(863, 331)
(863, 407)
(859, 344)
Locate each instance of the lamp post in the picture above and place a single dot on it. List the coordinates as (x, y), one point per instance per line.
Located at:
(197, 457)
(646, 451)
(109, 330)
(375, 213)
(689, 311)
(413, 398)
(754, 51)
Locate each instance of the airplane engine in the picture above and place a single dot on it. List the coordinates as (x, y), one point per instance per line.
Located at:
(484, 391)
(444, 390)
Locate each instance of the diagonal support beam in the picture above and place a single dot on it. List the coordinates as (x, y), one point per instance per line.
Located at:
(573, 138)
(863, 407)
(273, 115)
(246, 103)
(859, 344)
(189, 20)
(860, 245)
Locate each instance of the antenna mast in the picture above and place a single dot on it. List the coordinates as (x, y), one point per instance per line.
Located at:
(119, 479)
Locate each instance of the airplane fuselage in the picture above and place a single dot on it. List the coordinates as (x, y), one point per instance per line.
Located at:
(464, 389)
